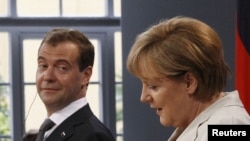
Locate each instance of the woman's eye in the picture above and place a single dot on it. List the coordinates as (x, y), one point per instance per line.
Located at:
(152, 87)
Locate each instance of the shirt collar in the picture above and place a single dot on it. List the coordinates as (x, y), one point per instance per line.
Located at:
(59, 116)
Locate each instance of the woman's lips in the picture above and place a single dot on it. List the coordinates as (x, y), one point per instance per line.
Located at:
(158, 111)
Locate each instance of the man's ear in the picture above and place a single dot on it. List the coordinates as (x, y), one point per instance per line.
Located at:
(191, 82)
(86, 75)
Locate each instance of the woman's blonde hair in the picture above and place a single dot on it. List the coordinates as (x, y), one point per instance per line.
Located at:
(179, 45)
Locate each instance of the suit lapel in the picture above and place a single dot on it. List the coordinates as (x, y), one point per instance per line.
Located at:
(66, 129)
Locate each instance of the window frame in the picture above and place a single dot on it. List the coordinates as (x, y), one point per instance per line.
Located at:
(13, 8)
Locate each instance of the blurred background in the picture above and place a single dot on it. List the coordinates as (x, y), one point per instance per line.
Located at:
(112, 26)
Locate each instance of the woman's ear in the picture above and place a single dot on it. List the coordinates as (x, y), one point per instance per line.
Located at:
(191, 82)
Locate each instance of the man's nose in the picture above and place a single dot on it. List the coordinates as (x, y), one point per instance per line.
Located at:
(49, 74)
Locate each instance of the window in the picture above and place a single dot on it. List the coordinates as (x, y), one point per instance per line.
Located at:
(38, 8)
(68, 8)
(19, 44)
(87, 8)
(3, 8)
(118, 85)
(4, 86)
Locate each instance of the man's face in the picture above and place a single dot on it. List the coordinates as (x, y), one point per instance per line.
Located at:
(58, 79)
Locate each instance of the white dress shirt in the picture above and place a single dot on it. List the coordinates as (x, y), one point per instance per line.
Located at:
(61, 115)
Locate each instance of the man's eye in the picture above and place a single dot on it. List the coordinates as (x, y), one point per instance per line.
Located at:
(62, 68)
(42, 66)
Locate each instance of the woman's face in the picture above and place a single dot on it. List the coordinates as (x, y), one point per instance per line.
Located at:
(170, 98)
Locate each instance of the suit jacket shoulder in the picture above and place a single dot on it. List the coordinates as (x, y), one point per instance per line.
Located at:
(83, 125)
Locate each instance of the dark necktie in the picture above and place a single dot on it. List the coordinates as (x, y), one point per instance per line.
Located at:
(47, 124)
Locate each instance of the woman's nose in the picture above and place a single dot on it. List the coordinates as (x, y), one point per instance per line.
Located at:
(145, 96)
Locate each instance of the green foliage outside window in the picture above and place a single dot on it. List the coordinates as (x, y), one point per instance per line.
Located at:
(4, 112)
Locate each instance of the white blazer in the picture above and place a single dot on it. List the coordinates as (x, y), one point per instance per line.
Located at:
(227, 110)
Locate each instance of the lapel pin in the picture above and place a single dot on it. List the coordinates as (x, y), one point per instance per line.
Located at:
(63, 134)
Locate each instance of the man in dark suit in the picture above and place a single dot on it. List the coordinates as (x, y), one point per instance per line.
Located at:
(65, 61)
